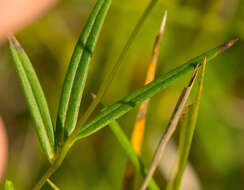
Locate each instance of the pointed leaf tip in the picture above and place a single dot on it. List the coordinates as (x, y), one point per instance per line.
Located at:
(228, 44)
(14, 42)
(163, 22)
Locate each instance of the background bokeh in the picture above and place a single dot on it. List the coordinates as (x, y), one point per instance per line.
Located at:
(98, 162)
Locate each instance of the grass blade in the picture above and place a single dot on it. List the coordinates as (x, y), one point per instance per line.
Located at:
(139, 127)
(121, 107)
(186, 135)
(78, 69)
(171, 127)
(34, 97)
(8, 185)
(125, 143)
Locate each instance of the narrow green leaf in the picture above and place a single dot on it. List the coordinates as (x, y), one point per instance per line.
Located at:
(125, 143)
(113, 68)
(35, 98)
(121, 107)
(186, 134)
(8, 185)
(77, 72)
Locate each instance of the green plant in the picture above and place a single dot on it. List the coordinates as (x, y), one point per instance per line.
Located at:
(8, 185)
(57, 140)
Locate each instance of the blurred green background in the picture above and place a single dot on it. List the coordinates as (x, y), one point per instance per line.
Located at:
(98, 162)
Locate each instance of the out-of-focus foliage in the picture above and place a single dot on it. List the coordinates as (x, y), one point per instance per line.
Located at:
(8, 185)
(98, 162)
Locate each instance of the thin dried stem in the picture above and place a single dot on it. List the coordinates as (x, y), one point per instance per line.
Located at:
(171, 126)
(187, 128)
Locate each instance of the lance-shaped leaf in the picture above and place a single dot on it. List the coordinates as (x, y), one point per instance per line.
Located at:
(188, 126)
(78, 68)
(121, 107)
(8, 185)
(34, 97)
(125, 143)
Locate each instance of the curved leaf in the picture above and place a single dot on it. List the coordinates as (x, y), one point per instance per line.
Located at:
(34, 97)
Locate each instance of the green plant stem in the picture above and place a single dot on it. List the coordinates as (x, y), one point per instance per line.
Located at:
(47, 174)
(61, 154)
(125, 143)
(52, 184)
